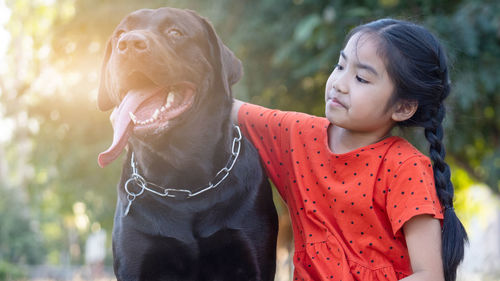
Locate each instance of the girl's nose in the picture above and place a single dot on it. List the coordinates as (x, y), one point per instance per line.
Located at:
(340, 83)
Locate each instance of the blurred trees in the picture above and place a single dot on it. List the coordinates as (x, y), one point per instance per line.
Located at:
(51, 131)
(20, 242)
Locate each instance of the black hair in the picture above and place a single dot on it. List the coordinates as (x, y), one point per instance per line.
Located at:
(417, 65)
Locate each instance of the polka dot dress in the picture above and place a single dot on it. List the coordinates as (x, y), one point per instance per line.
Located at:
(347, 210)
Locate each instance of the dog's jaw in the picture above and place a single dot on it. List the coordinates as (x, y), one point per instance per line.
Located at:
(144, 111)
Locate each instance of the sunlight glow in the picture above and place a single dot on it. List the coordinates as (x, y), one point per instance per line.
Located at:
(54, 115)
(5, 37)
(70, 47)
(4, 13)
(73, 78)
(94, 47)
(33, 126)
(25, 57)
(81, 219)
(46, 2)
(67, 10)
(49, 82)
(7, 127)
(43, 52)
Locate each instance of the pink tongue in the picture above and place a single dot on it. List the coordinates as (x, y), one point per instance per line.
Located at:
(122, 125)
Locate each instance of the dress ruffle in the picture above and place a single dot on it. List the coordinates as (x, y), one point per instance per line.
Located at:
(327, 261)
(363, 273)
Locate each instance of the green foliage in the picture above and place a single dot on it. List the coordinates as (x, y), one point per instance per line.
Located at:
(20, 241)
(9, 271)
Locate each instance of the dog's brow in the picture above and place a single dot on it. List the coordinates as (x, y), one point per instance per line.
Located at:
(165, 22)
(131, 21)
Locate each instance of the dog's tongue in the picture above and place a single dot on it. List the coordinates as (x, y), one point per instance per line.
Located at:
(122, 124)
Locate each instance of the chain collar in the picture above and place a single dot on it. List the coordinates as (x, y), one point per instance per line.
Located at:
(139, 181)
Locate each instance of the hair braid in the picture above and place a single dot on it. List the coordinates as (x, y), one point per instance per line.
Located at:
(434, 135)
(453, 233)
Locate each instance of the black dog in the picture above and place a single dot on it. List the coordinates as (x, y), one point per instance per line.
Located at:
(193, 200)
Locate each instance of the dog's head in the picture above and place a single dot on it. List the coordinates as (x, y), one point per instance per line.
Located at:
(160, 66)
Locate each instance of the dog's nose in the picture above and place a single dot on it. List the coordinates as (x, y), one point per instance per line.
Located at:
(132, 42)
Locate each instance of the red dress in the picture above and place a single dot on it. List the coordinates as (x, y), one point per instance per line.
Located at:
(347, 210)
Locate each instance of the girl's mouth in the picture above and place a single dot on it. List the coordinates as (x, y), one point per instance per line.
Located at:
(335, 102)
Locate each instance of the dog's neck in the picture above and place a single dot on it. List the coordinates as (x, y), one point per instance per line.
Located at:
(188, 157)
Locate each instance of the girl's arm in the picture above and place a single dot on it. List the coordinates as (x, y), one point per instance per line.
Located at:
(423, 238)
(234, 112)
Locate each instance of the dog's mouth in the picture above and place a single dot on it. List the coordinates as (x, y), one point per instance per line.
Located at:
(146, 110)
(166, 104)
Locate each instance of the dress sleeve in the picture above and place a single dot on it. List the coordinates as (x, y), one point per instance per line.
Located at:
(412, 192)
(263, 127)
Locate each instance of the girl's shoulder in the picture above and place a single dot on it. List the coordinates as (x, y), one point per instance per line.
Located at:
(401, 146)
(392, 147)
(400, 152)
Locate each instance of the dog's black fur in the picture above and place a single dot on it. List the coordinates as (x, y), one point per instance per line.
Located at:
(227, 233)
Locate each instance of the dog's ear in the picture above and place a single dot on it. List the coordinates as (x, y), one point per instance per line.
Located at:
(103, 101)
(230, 66)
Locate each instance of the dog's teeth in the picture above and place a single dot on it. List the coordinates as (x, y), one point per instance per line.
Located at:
(155, 115)
(170, 99)
(162, 109)
(132, 117)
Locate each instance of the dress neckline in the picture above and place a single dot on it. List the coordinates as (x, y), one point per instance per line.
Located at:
(356, 151)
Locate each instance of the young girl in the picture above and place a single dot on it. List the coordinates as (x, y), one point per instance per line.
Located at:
(366, 205)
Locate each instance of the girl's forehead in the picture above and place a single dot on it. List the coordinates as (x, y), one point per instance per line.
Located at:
(361, 44)
(364, 48)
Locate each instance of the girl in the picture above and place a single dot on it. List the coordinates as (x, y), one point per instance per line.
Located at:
(366, 205)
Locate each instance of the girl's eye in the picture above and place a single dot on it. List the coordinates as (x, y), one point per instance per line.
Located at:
(174, 32)
(361, 80)
(339, 67)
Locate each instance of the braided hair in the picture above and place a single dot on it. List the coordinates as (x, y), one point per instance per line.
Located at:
(417, 65)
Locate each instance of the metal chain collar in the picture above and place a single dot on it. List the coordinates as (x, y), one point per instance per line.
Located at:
(143, 184)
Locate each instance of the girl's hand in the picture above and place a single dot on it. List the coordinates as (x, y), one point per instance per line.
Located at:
(423, 238)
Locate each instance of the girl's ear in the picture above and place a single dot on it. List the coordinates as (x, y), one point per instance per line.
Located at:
(404, 110)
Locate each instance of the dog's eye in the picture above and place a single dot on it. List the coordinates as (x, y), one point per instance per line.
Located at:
(174, 32)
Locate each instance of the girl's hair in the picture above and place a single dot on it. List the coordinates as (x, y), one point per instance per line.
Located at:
(417, 65)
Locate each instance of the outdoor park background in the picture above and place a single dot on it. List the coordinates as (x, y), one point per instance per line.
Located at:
(53, 195)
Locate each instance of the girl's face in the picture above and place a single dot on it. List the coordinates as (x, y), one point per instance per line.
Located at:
(359, 88)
